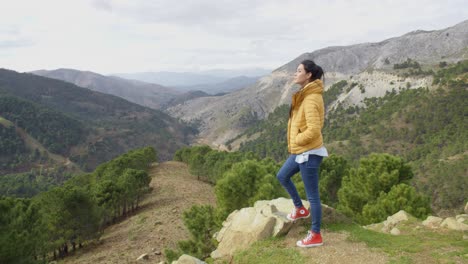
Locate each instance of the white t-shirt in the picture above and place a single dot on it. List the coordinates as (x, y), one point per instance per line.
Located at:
(303, 157)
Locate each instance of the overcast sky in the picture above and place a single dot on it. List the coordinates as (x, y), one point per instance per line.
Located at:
(117, 36)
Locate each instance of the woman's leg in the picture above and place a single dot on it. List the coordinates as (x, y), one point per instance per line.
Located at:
(310, 177)
(290, 167)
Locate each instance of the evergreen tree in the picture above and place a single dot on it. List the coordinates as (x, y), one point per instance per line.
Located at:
(376, 174)
(400, 197)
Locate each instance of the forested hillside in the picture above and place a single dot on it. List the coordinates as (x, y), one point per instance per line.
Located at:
(426, 127)
(54, 222)
(50, 129)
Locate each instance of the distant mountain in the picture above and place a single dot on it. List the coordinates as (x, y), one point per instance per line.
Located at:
(147, 94)
(249, 72)
(227, 86)
(187, 96)
(183, 79)
(172, 78)
(370, 66)
(84, 126)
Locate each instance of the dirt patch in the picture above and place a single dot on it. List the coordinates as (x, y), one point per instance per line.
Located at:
(157, 225)
(336, 249)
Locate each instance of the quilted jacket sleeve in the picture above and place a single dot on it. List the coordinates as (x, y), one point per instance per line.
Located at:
(313, 122)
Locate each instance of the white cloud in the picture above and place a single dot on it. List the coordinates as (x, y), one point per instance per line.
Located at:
(135, 35)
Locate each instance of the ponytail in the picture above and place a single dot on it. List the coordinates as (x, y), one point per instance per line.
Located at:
(317, 71)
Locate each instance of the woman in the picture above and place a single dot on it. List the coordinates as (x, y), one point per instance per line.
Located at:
(305, 145)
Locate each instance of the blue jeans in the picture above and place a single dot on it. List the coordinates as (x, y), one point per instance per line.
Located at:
(310, 176)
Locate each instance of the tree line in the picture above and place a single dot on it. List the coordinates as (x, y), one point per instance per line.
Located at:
(49, 225)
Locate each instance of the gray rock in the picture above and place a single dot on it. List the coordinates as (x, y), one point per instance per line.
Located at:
(394, 220)
(432, 221)
(395, 231)
(186, 259)
(452, 223)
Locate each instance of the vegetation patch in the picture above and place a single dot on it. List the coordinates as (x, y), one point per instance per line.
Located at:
(442, 246)
(270, 251)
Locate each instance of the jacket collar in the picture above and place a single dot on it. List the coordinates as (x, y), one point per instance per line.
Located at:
(312, 87)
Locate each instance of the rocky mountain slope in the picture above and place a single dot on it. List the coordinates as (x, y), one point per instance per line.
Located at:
(369, 64)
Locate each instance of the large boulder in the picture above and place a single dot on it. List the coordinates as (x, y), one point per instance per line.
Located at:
(265, 219)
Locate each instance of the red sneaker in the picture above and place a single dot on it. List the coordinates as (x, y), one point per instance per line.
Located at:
(312, 240)
(298, 213)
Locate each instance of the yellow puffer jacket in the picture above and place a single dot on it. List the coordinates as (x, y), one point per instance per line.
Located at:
(306, 119)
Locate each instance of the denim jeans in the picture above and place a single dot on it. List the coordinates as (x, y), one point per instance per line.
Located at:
(310, 176)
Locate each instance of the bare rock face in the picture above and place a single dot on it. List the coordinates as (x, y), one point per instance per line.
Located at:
(423, 46)
(265, 219)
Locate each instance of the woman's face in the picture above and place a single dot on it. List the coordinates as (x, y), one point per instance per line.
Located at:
(301, 77)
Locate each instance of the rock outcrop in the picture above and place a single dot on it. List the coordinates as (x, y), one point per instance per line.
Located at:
(265, 219)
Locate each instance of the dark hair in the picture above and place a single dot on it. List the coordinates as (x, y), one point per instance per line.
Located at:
(317, 71)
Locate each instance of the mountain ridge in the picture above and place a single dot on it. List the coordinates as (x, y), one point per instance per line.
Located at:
(147, 94)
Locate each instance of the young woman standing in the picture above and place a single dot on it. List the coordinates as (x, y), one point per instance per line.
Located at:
(305, 145)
